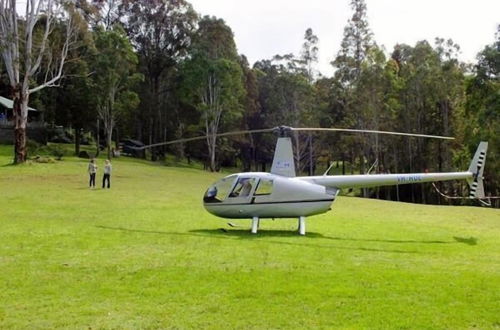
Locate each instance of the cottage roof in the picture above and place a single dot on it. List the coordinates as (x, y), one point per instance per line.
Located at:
(9, 103)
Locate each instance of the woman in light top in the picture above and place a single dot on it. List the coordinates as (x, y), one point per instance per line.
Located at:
(92, 172)
(107, 174)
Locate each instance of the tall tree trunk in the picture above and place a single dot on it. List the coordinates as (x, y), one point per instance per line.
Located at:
(298, 154)
(343, 163)
(362, 170)
(117, 138)
(212, 161)
(20, 110)
(311, 169)
(157, 126)
(253, 155)
(77, 140)
(109, 140)
(98, 140)
(212, 140)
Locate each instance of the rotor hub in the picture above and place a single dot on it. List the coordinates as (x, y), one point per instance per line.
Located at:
(282, 131)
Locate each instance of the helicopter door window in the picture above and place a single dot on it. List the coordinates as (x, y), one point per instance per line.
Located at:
(265, 187)
(243, 187)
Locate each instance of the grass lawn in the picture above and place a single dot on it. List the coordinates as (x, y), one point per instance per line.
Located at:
(145, 254)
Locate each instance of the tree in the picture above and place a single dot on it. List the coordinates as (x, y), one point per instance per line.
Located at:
(106, 13)
(286, 97)
(482, 111)
(355, 45)
(114, 77)
(74, 102)
(309, 54)
(213, 80)
(25, 45)
(251, 115)
(161, 31)
(355, 48)
(427, 97)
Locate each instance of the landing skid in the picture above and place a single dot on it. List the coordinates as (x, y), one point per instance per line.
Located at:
(256, 222)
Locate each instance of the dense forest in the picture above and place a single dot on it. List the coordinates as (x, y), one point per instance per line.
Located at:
(157, 70)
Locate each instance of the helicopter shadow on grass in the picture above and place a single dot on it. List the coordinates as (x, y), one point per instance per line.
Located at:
(241, 234)
(244, 233)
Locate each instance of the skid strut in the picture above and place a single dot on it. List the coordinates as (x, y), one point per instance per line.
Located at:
(255, 225)
(302, 226)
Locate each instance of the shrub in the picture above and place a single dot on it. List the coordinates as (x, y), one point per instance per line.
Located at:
(56, 151)
(33, 147)
(84, 154)
(44, 159)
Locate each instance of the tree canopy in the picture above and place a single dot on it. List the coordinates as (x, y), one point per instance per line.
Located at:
(158, 70)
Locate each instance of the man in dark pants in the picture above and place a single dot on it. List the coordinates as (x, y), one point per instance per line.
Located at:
(92, 172)
(107, 174)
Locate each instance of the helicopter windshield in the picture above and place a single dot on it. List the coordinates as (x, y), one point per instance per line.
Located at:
(218, 192)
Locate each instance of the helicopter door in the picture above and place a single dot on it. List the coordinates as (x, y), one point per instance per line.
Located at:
(242, 191)
(264, 190)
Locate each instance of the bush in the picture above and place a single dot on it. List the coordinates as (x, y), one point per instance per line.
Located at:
(85, 141)
(59, 135)
(44, 159)
(84, 154)
(33, 147)
(56, 151)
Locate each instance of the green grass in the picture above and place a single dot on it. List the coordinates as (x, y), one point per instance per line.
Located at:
(146, 255)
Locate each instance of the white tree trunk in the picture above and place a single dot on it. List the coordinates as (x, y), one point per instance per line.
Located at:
(22, 67)
(213, 114)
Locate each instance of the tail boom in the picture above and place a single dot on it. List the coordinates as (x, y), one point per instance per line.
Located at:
(375, 180)
(474, 176)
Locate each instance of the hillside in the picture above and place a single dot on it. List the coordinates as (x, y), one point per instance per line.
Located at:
(145, 254)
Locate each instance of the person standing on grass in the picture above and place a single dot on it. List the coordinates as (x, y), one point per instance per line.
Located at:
(107, 174)
(92, 172)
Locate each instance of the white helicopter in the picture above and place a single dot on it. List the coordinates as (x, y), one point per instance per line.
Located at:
(282, 194)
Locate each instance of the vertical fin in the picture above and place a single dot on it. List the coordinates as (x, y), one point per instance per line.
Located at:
(283, 163)
(477, 168)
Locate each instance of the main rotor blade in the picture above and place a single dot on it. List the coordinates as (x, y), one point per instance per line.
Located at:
(349, 130)
(282, 129)
(196, 138)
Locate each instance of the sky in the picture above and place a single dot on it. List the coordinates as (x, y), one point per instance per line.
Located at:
(264, 28)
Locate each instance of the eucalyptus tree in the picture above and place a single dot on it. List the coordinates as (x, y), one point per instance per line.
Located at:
(356, 46)
(309, 54)
(213, 80)
(482, 111)
(114, 78)
(161, 32)
(106, 13)
(251, 116)
(286, 97)
(28, 54)
(356, 43)
(431, 97)
(73, 104)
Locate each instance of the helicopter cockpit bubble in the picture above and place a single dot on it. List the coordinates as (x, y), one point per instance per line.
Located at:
(218, 191)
